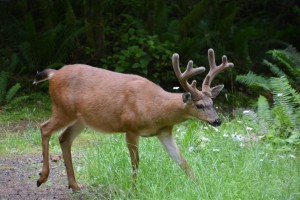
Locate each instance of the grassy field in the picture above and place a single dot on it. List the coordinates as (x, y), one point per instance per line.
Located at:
(229, 162)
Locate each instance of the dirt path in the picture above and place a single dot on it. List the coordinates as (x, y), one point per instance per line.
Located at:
(18, 175)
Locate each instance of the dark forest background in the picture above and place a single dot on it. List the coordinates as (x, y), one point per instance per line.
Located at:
(139, 36)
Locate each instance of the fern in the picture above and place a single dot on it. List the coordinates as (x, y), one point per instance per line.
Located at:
(253, 80)
(284, 94)
(281, 121)
(286, 106)
(263, 109)
(274, 68)
(12, 92)
(6, 93)
(289, 60)
(282, 57)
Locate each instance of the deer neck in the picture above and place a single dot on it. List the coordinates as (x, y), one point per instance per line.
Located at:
(175, 110)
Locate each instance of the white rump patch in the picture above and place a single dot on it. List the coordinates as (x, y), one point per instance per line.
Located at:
(50, 75)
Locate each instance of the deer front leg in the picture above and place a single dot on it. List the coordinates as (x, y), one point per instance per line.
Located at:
(171, 147)
(132, 144)
(66, 139)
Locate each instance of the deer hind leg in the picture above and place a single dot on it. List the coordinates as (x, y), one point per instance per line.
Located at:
(132, 144)
(66, 139)
(55, 123)
(170, 145)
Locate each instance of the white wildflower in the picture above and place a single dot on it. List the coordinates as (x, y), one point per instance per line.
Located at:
(261, 136)
(191, 149)
(279, 94)
(217, 130)
(205, 139)
(248, 128)
(205, 128)
(237, 137)
(291, 156)
(242, 145)
(225, 135)
(215, 150)
(245, 112)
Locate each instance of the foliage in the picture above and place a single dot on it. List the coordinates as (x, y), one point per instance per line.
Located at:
(279, 123)
(7, 93)
(284, 63)
(52, 33)
(253, 80)
(135, 51)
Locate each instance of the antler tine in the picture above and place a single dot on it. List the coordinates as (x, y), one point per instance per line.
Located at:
(188, 73)
(214, 69)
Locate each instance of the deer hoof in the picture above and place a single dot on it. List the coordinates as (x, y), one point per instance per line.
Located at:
(38, 183)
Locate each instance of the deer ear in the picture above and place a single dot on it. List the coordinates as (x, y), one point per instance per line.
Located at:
(186, 97)
(215, 91)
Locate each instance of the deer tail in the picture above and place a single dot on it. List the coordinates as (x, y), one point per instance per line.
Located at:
(47, 74)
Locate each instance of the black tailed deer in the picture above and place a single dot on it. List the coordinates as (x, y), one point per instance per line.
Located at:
(112, 102)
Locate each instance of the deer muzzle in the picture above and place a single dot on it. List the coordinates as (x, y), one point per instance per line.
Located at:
(217, 122)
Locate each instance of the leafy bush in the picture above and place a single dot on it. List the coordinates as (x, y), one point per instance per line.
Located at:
(138, 52)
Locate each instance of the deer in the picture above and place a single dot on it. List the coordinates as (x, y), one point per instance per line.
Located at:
(111, 102)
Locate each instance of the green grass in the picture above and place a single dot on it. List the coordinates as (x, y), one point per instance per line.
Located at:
(225, 167)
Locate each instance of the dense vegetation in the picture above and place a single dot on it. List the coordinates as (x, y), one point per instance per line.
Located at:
(139, 36)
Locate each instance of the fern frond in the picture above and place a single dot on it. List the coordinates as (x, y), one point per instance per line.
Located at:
(263, 109)
(252, 79)
(286, 59)
(283, 92)
(286, 98)
(12, 92)
(282, 57)
(274, 68)
(294, 56)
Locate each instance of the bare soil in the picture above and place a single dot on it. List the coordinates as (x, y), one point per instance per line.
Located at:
(18, 176)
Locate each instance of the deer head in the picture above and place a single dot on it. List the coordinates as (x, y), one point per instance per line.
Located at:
(200, 103)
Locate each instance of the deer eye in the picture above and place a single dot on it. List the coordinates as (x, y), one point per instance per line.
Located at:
(200, 106)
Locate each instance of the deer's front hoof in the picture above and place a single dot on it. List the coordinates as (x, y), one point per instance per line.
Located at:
(42, 179)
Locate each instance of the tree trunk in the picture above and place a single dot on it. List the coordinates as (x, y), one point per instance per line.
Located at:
(94, 23)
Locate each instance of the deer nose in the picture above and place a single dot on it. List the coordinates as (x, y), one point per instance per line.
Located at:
(217, 122)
